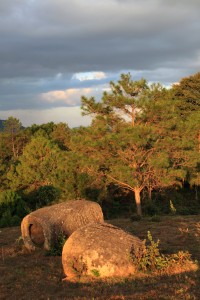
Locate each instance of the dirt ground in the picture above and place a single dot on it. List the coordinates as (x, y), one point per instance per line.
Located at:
(25, 275)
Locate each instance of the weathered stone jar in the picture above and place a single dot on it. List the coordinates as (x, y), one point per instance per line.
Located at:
(99, 249)
(41, 228)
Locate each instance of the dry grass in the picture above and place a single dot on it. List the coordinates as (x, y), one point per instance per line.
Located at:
(27, 275)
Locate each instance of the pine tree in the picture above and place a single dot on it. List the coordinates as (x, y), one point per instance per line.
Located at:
(132, 140)
(12, 127)
(39, 165)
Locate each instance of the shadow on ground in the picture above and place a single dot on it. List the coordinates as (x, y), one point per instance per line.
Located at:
(27, 275)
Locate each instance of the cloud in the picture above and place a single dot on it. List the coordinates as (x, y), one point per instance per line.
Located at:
(45, 37)
(49, 48)
(89, 76)
(70, 97)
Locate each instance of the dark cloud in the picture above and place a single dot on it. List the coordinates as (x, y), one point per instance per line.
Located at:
(41, 39)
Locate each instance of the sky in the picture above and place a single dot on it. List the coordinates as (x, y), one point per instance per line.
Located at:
(54, 51)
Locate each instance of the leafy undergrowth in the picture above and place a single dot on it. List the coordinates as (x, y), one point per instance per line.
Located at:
(27, 275)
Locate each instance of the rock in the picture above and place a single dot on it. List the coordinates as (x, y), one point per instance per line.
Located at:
(99, 249)
(41, 228)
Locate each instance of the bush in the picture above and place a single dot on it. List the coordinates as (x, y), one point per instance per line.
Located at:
(8, 200)
(172, 207)
(21, 209)
(15, 221)
(56, 250)
(12, 209)
(6, 219)
(187, 211)
(45, 195)
(149, 259)
(151, 209)
(135, 218)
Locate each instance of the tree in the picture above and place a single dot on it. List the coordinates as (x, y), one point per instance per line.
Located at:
(58, 133)
(3, 171)
(44, 195)
(119, 105)
(61, 135)
(46, 128)
(186, 95)
(128, 146)
(39, 165)
(12, 127)
(12, 141)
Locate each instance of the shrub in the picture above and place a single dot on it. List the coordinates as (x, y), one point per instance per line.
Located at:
(172, 207)
(15, 221)
(6, 218)
(187, 211)
(135, 218)
(8, 200)
(149, 259)
(45, 195)
(56, 250)
(95, 272)
(12, 208)
(21, 209)
(151, 209)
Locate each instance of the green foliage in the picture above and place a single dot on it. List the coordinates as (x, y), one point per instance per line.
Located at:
(56, 249)
(45, 195)
(181, 257)
(12, 209)
(6, 219)
(172, 207)
(15, 221)
(148, 258)
(41, 130)
(42, 163)
(135, 218)
(12, 125)
(135, 137)
(143, 139)
(14, 138)
(95, 272)
(151, 209)
(1, 124)
(9, 199)
(188, 94)
(61, 136)
(188, 210)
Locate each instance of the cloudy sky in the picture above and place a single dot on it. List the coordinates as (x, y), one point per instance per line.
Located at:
(54, 51)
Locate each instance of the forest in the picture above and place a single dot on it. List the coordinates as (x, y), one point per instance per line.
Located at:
(140, 155)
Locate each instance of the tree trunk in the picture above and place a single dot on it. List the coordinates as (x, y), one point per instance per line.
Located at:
(137, 192)
(196, 192)
(133, 115)
(150, 194)
(13, 146)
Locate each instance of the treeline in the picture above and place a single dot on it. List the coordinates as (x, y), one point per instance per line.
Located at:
(141, 154)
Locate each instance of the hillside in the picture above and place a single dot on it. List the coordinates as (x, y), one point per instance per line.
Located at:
(1, 124)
